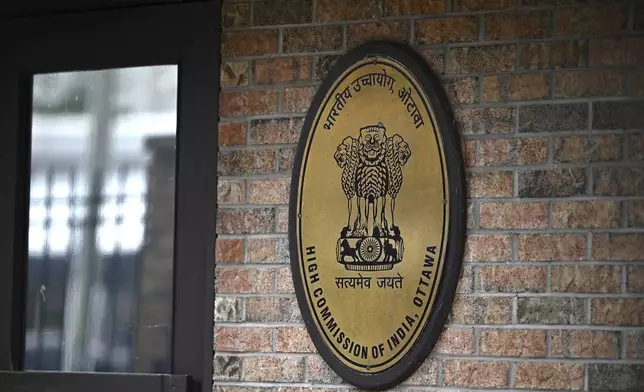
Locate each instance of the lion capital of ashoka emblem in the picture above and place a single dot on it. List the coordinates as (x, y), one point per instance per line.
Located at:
(372, 176)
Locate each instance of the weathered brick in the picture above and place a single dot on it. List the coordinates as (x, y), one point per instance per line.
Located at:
(635, 279)
(600, 20)
(619, 181)
(492, 184)
(285, 160)
(477, 121)
(276, 131)
(293, 340)
(235, 15)
(245, 162)
(469, 152)
(635, 213)
(244, 280)
(605, 82)
(513, 215)
(229, 250)
(477, 374)
(513, 342)
(551, 247)
(359, 33)
(482, 59)
(483, 5)
(446, 30)
(333, 10)
(297, 99)
(279, 12)
(466, 282)
(238, 339)
(247, 103)
(530, 150)
(481, 310)
(455, 341)
(636, 146)
(435, 57)
(249, 43)
(230, 192)
(272, 250)
(426, 374)
(284, 283)
(273, 369)
(281, 220)
(553, 55)
(618, 246)
(585, 278)
(586, 214)
(620, 51)
(488, 248)
(322, 66)
(282, 70)
(233, 74)
(462, 91)
(587, 149)
(412, 7)
(549, 376)
(312, 39)
(585, 344)
(318, 371)
(227, 367)
(507, 279)
(552, 183)
(617, 311)
(471, 209)
(618, 115)
(515, 25)
(635, 344)
(615, 377)
(516, 87)
(553, 117)
(272, 310)
(245, 221)
(228, 309)
(551, 310)
(496, 152)
(232, 134)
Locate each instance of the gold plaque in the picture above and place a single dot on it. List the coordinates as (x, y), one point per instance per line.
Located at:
(377, 215)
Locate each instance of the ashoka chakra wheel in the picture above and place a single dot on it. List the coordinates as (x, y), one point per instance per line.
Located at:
(370, 249)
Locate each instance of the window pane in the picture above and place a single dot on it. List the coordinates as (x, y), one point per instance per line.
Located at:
(101, 221)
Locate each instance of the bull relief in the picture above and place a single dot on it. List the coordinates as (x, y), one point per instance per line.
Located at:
(376, 219)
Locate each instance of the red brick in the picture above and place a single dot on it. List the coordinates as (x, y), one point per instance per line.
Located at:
(281, 220)
(513, 215)
(229, 250)
(492, 184)
(446, 30)
(554, 55)
(513, 343)
(549, 376)
(531, 151)
(334, 10)
(619, 181)
(269, 191)
(427, 374)
(553, 182)
(551, 247)
(620, 51)
(481, 310)
(636, 143)
(247, 103)
(462, 91)
(246, 220)
(285, 160)
(312, 39)
(249, 43)
(585, 344)
(466, 281)
(232, 134)
(282, 12)
(477, 121)
(246, 162)
(585, 278)
(600, 20)
(505, 26)
(293, 340)
(635, 210)
(273, 369)
(275, 131)
(272, 250)
(284, 281)
(495, 152)
(512, 279)
(282, 70)
(244, 280)
(635, 344)
(483, 5)
(477, 374)
(617, 246)
(455, 341)
(413, 7)
(233, 74)
(235, 15)
(230, 192)
(469, 152)
(318, 371)
(516, 87)
(236, 339)
(574, 84)
(586, 149)
(488, 248)
(297, 99)
(482, 59)
(435, 57)
(613, 311)
(273, 310)
(586, 214)
(635, 279)
(360, 33)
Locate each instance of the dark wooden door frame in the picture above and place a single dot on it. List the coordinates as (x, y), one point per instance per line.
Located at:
(187, 34)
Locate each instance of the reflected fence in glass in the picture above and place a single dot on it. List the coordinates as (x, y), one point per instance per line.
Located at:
(101, 221)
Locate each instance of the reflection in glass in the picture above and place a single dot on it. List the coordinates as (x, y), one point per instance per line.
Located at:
(101, 220)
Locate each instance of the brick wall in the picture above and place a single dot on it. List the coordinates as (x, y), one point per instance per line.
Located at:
(546, 96)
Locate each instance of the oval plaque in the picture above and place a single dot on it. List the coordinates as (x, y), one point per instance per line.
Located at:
(377, 215)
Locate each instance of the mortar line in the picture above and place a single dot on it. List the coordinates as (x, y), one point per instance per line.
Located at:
(515, 309)
(624, 278)
(511, 374)
(412, 32)
(588, 310)
(624, 214)
(477, 341)
(586, 386)
(548, 343)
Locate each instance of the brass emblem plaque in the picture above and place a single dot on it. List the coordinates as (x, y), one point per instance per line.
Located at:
(377, 215)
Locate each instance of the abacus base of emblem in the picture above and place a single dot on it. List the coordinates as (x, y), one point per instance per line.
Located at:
(369, 253)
